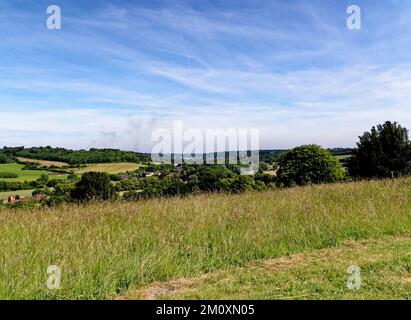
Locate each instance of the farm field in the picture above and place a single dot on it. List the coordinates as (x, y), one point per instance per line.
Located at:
(25, 193)
(110, 168)
(344, 156)
(116, 250)
(44, 163)
(26, 175)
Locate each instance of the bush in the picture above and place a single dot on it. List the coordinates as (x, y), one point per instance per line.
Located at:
(5, 158)
(31, 166)
(153, 187)
(8, 175)
(210, 175)
(72, 177)
(93, 186)
(115, 177)
(54, 201)
(309, 164)
(242, 184)
(267, 179)
(45, 191)
(12, 186)
(383, 152)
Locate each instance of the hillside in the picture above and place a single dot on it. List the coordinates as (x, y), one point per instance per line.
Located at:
(111, 168)
(108, 250)
(72, 157)
(26, 175)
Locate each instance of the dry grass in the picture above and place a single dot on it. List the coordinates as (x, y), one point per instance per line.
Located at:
(110, 168)
(385, 264)
(105, 249)
(44, 163)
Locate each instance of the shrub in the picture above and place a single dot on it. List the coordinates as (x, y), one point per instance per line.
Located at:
(115, 177)
(383, 152)
(12, 185)
(93, 186)
(242, 184)
(210, 175)
(45, 191)
(72, 177)
(31, 166)
(309, 164)
(152, 187)
(8, 175)
(42, 180)
(54, 201)
(5, 158)
(52, 183)
(267, 179)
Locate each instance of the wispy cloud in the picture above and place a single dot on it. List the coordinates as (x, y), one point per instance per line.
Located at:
(117, 71)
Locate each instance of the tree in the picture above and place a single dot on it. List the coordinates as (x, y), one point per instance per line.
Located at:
(4, 158)
(309, 164)
(383, 152)
(209, 176)
(45, 191)
(93, 186)
(242, 184)
(42, 180)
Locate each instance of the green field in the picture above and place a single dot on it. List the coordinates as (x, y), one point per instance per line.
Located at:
(44, 163)
(26, 175)
(110, 168)
(25, 193)
(116, 250)
(344, 156)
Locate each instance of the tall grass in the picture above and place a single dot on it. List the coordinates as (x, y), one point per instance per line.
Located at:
(107, 248)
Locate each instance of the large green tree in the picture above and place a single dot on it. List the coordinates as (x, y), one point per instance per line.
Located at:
(385, 151)
(93, 186)
(309, 164)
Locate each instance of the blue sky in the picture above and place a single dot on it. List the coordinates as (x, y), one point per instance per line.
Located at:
(119, 69)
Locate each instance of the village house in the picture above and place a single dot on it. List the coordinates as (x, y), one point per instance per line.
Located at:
(39, 197)
(16, 198)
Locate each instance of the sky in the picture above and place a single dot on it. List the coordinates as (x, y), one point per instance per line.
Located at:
(117, 70)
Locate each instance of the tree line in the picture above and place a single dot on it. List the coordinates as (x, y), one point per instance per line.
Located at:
(72, 157)
(383, 152)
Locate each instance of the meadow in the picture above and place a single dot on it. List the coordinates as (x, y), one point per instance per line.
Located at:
(110, 168)
(384, 267)
(25, 175)
(117, 250)
(44, 163)
(25, 193)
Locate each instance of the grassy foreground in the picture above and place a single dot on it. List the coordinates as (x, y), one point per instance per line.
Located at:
(384, 269)
(107, 249)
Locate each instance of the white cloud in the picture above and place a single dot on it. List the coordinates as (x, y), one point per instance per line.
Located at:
(115, 74)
